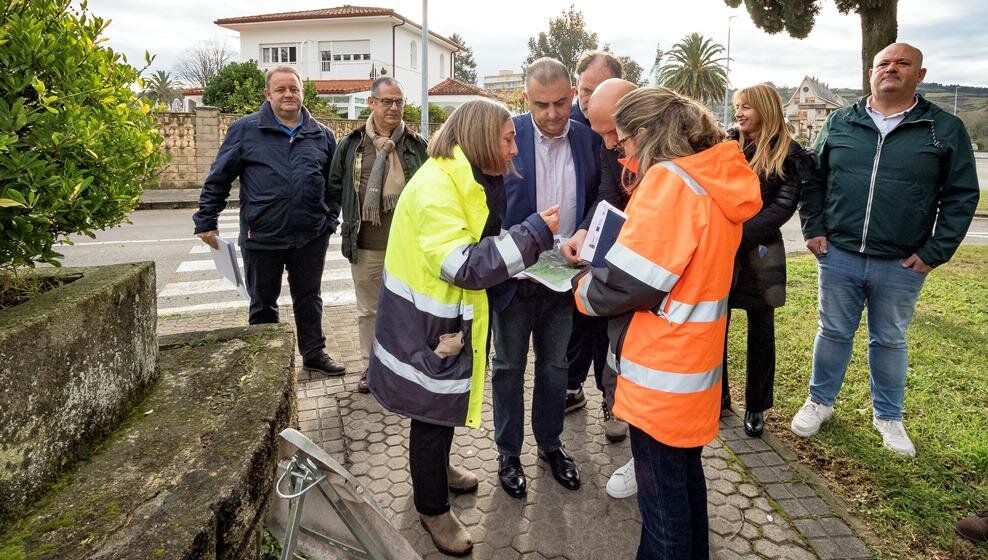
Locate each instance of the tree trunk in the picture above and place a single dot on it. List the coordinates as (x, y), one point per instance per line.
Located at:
(879, 28)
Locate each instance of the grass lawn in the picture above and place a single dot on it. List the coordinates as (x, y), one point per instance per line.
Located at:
(983, 202)
(910, 504)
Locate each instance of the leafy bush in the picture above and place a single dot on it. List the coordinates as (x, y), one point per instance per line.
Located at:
(237, 88)
(76, 142)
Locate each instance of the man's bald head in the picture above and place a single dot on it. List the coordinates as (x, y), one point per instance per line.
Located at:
(601, 108)
(898, 47)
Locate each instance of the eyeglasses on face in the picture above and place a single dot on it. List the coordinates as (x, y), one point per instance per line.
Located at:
(389, 101)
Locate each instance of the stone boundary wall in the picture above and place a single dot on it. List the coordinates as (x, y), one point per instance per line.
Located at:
(191, 141)
(74, 361)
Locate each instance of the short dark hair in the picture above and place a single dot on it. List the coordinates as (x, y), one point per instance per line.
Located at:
(607, 59)
(546, 71)
(384, 81)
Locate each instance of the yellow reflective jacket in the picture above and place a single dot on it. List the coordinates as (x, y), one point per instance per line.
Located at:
(436, 270)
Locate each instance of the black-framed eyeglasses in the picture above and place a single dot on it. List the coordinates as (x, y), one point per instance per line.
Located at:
(620, 143)
(389, 101)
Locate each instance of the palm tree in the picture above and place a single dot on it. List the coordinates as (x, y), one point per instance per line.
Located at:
(160, 88)
(695, 67)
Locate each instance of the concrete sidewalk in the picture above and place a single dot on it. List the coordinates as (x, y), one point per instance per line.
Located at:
(167, 199)
(762, 504)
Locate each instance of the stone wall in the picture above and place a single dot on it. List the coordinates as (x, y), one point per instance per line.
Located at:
(74, 361)
(191, 141)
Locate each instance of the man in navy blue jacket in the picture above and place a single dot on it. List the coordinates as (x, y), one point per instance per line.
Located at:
(281, 155)
(558, 165)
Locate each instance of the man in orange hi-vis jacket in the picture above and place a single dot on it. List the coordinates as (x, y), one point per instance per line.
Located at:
(665, 287)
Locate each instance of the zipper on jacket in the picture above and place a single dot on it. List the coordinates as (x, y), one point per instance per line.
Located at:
(871, 191)
(874, 175)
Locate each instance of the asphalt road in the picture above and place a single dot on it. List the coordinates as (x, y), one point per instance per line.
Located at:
(188, 282)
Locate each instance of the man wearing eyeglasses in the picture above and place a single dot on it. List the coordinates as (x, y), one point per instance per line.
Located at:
(368, 172)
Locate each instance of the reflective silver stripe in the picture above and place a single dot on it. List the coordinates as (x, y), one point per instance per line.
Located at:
(686, 177)
(453, 263)
(584, 298)
(668, 381)
(641, 268)
(612, 361)
(702, 312)
(510, 254)
(442, 387)
(422, 302)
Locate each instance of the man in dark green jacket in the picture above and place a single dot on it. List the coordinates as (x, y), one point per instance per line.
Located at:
(368, 173)
(900, 192)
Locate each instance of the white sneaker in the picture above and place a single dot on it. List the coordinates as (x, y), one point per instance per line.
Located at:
(810, 417)
(894, 436)
(622, 483)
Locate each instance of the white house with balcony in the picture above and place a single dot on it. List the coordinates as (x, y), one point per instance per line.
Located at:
(343, 49)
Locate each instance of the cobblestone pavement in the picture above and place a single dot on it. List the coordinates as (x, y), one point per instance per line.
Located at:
(759, 507)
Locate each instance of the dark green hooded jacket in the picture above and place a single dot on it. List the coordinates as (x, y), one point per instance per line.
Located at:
(915, 191)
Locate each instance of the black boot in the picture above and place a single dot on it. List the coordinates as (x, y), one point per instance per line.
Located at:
(754, 424)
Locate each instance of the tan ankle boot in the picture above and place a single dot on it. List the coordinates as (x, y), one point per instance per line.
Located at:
(448, 534)
(461, 481)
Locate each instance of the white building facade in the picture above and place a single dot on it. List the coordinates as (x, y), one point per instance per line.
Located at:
(343, 49)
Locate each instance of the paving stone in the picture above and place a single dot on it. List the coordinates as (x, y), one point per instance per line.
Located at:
(551, 523)
(843, 548)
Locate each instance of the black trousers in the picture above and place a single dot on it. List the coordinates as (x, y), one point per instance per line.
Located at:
(428, 458)
(760, 381)
(262, 272)
(587, 343)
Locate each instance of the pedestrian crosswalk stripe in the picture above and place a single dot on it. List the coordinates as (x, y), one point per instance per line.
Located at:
(334, 242)
(197, 266)
(222, 285)
(337, 297)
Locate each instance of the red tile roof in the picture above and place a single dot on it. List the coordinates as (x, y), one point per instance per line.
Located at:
(192, 91)
(345, 11)
(452, 86)
(340, 87)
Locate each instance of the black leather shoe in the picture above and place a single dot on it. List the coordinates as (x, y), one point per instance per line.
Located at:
(563, 467)
(754, 424)
(512, 476)
(325, 365)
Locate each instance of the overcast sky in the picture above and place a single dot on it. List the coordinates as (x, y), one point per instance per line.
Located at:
(951, 33)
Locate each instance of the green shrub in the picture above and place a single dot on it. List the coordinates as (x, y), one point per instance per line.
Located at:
(76, 142)
(237, 88)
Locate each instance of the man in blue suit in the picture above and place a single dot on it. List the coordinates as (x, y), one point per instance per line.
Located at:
(558, 165)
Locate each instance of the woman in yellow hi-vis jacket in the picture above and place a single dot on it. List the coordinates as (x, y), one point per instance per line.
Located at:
(445, 248)
(665, 287)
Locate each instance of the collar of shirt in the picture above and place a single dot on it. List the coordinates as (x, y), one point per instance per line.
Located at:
(876, 113)
(291, 132)
(544, 138)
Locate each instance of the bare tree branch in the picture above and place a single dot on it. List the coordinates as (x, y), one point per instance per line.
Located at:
(200, 63)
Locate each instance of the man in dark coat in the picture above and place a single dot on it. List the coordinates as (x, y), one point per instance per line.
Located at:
(281, 156)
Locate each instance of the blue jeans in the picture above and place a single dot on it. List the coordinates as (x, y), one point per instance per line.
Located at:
(672, 497)
(546, 316)
(850, 281)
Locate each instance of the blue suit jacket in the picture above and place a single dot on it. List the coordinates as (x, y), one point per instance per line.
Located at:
(585, 146)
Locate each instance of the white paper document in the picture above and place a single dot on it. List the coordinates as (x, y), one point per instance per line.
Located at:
(226, 262)
(604, 229)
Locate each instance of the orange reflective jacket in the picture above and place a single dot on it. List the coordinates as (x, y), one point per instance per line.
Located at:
(666, 283)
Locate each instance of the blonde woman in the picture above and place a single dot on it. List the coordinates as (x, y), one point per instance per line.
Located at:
(664, 284)
(783, 166)
(431, 338)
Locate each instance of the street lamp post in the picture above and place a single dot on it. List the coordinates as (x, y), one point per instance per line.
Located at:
(424, 119)
(955, 99)
(727, 81)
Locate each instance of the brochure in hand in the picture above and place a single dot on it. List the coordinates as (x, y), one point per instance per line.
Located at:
(603, 232)
(226, 263)
(552, 271)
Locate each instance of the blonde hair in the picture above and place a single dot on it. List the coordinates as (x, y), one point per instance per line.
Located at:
(475, 127)
(772, 144)
(674, 126)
